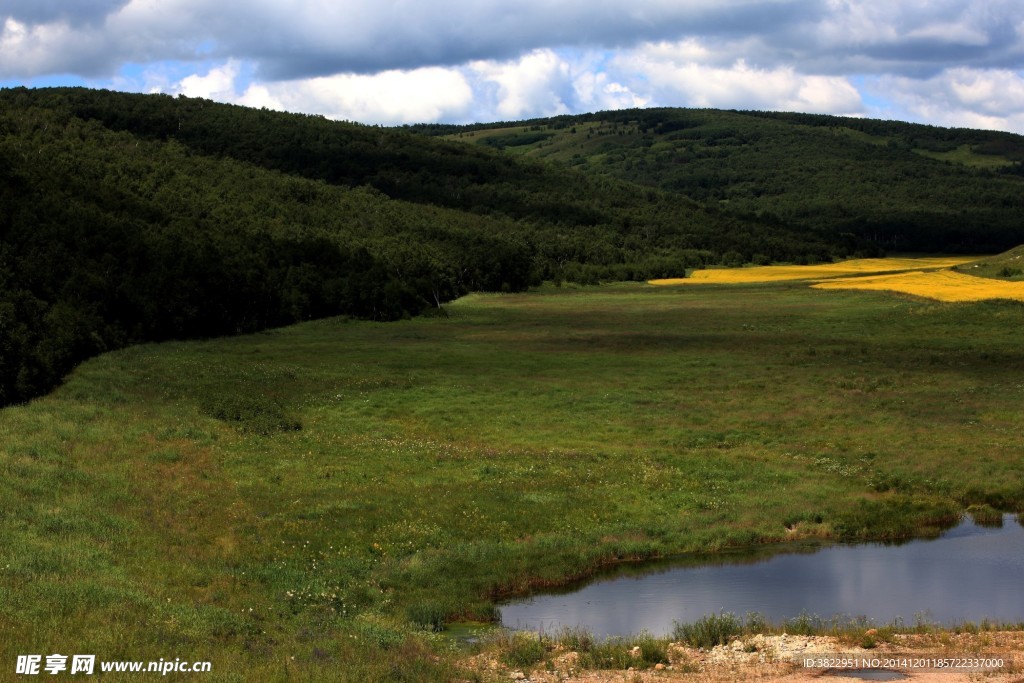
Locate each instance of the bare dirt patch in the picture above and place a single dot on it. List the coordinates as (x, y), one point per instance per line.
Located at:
(778, 658)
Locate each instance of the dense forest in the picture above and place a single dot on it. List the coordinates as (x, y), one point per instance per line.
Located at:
(901, 186)
(128, 218)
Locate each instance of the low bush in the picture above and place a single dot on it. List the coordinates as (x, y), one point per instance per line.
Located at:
(710, 630)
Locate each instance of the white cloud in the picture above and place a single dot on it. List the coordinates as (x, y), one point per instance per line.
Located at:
(538, 84)
(688, 50)
(990, 91)
(396, 61)
(390, 97)
(217, 84)
(34, 49)
(307, 38)
(535, 85)
(963, 97)
(669, 75)
(595, 91)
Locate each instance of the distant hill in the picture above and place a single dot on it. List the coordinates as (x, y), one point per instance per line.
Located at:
(128, 218)
(901, 186)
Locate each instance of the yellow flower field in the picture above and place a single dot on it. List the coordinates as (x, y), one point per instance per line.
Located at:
(926, 277)
(943, 285)
(816, 272)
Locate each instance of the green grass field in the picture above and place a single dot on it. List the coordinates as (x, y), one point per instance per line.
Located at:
(309, 502)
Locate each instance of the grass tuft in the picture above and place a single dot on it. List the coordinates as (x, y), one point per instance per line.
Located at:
(985, 515)
(251, 414)
(709, 630)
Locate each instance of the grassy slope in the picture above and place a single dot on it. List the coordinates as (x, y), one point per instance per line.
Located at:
(603, 136)
(1006, 266)
(523, 439)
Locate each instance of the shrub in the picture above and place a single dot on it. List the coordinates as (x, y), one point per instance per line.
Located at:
(522, 649)
(805, 624)
(756, 622)
(985, 515)
(608, 654)
(429, 616)
(710, 630)
(576, 639)
(652, 650)
(251, 414)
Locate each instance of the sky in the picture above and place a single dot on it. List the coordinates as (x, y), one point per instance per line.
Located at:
(390, 62)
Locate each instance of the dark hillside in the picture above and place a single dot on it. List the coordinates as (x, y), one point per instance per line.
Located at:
(900, 186)
(570, 216)
(108, 239)
(127, 218)
(396, 162)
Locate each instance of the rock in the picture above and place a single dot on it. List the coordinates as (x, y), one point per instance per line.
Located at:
(659, 667)
(517, 676)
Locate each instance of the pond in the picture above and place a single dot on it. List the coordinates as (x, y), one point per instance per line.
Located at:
(969, 573)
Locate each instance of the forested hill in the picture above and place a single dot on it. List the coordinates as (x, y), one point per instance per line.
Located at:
(905, 187)
(567, 216)
(127, 218)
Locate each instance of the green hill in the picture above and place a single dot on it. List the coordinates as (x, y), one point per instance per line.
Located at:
(904, 187)
(128, 218)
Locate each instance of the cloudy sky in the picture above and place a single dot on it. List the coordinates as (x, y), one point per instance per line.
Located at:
(944, 62)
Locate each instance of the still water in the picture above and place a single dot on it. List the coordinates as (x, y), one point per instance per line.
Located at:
(969, 573)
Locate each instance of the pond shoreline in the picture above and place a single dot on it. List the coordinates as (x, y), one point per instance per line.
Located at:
(770, 546)
(794, 582)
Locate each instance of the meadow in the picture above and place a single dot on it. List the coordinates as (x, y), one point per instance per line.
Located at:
(314, 502)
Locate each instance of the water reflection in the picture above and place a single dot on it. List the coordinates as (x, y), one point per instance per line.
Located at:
(968, 574)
